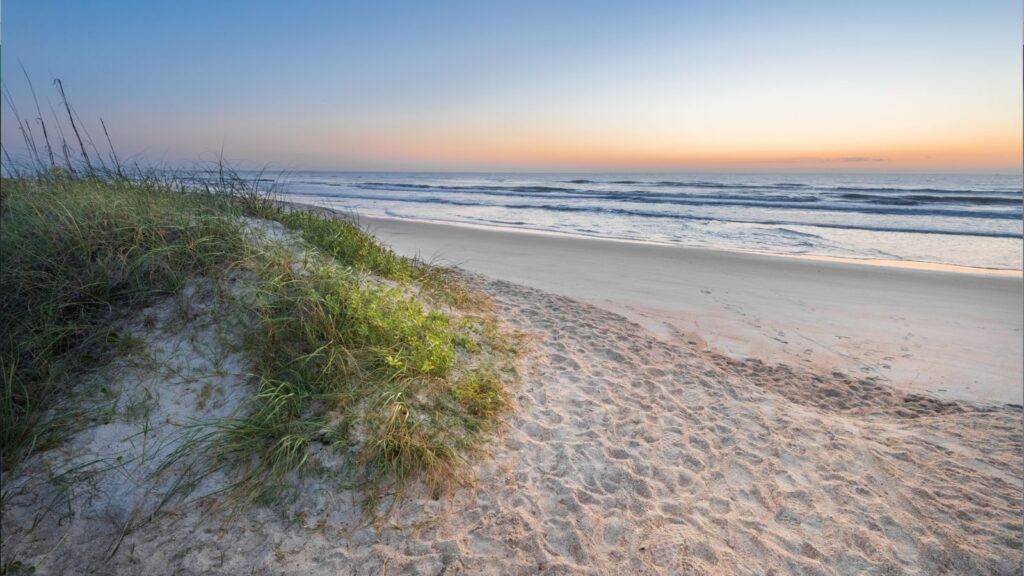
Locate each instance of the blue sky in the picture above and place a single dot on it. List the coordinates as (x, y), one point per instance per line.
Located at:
(536, 85)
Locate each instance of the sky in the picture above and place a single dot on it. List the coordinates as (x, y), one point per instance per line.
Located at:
(787, 85)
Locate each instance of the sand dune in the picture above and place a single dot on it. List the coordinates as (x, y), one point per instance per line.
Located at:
(630, 454)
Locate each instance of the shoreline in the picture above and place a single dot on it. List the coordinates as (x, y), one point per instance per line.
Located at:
(879, 262)
(952, 335)
(1013, 266)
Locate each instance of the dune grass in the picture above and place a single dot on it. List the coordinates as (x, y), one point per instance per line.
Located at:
(392, 366)
(346, 241)
(362, 367)
(75, 255)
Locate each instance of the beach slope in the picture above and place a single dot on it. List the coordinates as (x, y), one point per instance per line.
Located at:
(953, 335)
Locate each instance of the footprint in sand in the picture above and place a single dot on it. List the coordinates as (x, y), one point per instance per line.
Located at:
(734, 308)
(661, 548)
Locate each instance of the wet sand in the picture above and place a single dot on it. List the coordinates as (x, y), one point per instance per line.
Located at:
(954, 335)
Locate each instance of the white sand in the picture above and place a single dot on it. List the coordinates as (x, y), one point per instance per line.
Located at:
(952, 335)
(628, 453)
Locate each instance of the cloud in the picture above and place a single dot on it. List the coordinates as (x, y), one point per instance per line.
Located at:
(854, 159)
(829, 160)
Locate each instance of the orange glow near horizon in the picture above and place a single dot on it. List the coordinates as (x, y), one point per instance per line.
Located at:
(964, 152)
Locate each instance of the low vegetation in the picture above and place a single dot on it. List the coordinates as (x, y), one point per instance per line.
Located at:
(392, 366)
(76, 255)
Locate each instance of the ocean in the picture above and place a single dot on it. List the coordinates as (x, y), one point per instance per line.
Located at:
(964, 220)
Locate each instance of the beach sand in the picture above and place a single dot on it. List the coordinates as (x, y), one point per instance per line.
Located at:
(651, 447)
(954, 335)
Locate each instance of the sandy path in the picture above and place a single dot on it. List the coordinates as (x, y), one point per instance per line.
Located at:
(643, 455)
(632, 454)
(952, 335)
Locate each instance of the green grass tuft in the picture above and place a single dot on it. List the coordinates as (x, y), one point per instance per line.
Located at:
(348, 243)
(393, 366)
(75, 255)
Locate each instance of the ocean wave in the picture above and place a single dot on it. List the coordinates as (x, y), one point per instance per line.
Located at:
(604, 182)
(705, 184)
(737, 186)
(915, 199)
(407, 186)
(549, 192)
(694, 217)
(803, 202)
(870, 189)
(868, 195)
(714, 185)
(909, 230)
(798, 233)
(1004, 191)
(865, 189)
